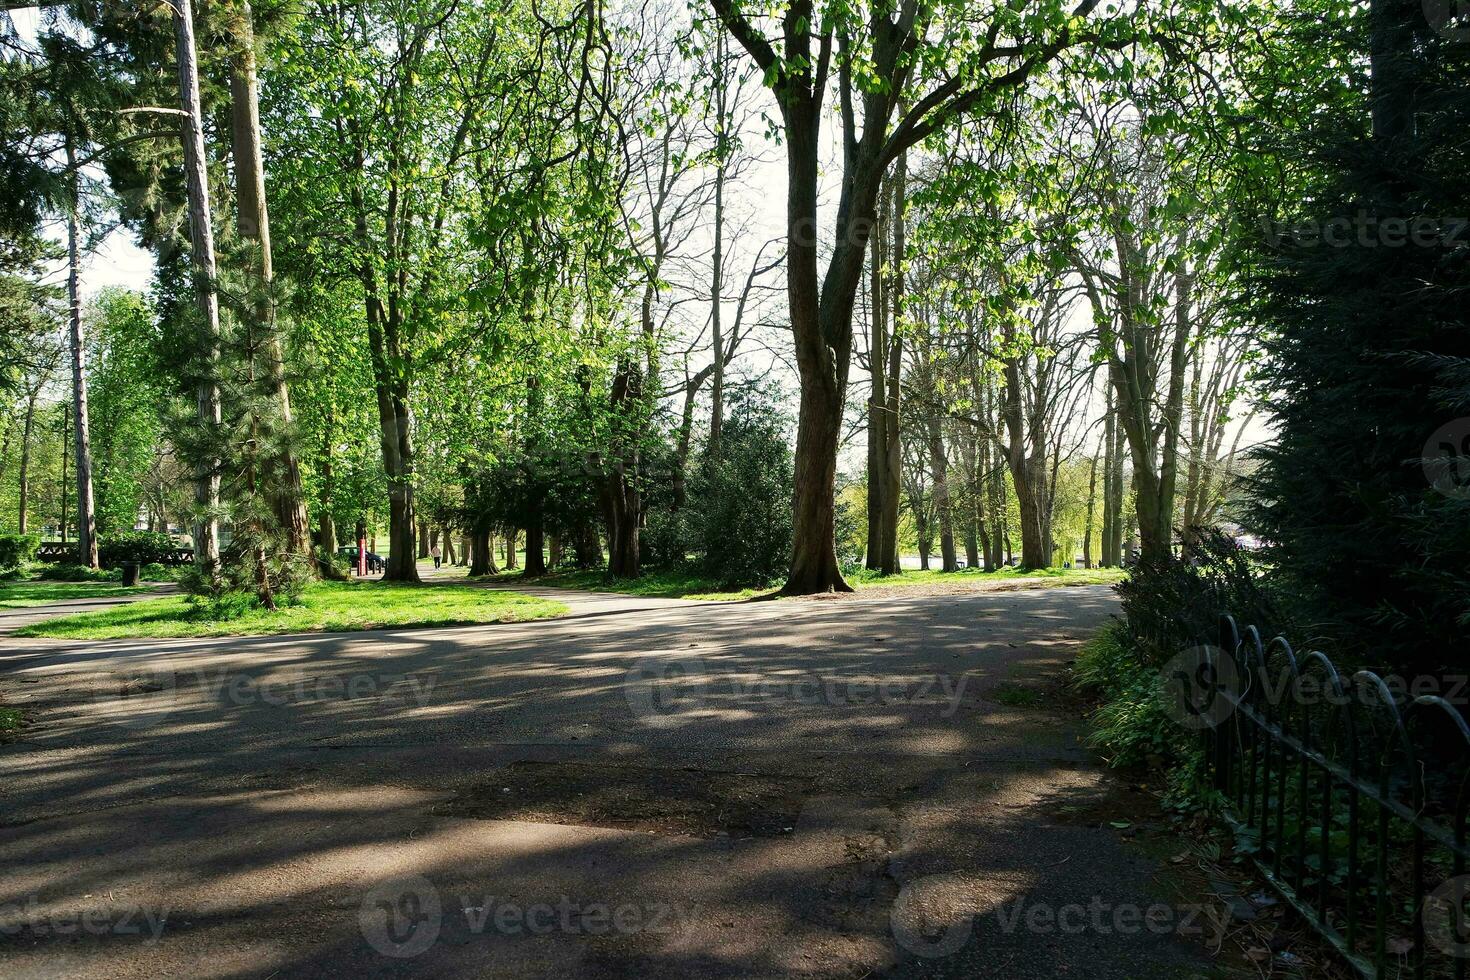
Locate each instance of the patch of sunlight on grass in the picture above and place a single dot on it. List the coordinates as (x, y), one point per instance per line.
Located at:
(689, 584)
(14, 595)
(324, 607)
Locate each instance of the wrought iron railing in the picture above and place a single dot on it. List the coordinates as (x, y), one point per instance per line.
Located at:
(56, 552)
(1349, 797)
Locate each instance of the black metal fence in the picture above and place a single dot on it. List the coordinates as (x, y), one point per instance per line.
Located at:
(56, 552)
(1349, 795)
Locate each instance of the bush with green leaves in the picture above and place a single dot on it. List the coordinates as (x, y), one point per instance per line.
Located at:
(16, 550)
(742, 497)
(333, 567)
(668, 539)
(143, 547)
(72, 572)
(1131, 725)
(1175, 603)
(1169, 606)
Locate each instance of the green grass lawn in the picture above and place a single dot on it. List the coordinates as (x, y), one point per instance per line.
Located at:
(864, 579)
(676, 584)
(13, 595)
(325, 606)
(658, 584)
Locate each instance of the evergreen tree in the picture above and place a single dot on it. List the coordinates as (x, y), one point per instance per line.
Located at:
(1364, 291)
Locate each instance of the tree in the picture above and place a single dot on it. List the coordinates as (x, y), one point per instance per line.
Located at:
(129, 393)
(86, 518)
(207, 346)
(1361, 284)
(886, 56)
(253, 221)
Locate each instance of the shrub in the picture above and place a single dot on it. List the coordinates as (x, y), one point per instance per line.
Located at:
(1130, 725)
(16, 550)
(221, 606)
(143, 547)
(72, 572)
(1169, 606)
(668, 539)
(1175, 603)
(333, 567)
(743, 498)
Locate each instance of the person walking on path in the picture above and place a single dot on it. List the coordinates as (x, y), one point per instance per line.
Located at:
(435, 554)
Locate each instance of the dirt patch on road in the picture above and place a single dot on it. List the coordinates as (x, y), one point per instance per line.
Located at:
(685, 801)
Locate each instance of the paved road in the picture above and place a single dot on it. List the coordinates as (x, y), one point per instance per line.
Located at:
(645, 788)
(14, 618)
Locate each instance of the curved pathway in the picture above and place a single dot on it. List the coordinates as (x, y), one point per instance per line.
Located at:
(643, 788)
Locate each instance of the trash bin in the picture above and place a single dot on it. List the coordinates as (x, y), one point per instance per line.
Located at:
(131, 572)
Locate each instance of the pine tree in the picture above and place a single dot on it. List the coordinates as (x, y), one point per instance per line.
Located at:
(1366, 301)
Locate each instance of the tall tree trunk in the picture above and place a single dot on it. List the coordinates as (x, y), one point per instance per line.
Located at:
(970, 501)
(939, 472)
(587, 547)
(536, 523)
(25, 462)
(821, 326)
(923, 530)
(360, 539)
(717, 277)
(423, 540)
(1028, 468)
(1112, 464)
(450, 558)
(482, 552)
(81, 433)
(511, 537)
(622, 500)
(396, 438)
(288, 501)
(1119, 493)
(535, 544)
(890, 563)
(201, 241)
(65, 473)
(328, 523)
(1000, 535)
(554, 546)
(877, 399)
(390, 384)
(1091, 505)
(682, 446)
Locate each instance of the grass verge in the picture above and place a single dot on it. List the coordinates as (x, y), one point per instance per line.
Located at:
(10, 723)
(1043, 577)
(1130, 722)
(656, 584)
(324, 607)
(14, 595)
(688, 584)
